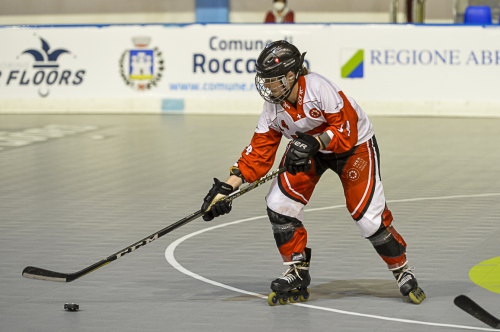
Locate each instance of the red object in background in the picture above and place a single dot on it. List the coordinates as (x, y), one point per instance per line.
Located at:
(271, 17)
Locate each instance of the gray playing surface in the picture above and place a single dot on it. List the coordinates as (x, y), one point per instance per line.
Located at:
(68, 202)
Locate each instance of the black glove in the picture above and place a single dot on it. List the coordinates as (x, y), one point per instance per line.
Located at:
(300, 152)
(218, 191)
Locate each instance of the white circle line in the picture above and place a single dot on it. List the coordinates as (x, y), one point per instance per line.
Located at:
(169, 256)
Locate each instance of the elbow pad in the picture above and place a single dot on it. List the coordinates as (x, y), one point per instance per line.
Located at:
(325, 139)
(236, 171)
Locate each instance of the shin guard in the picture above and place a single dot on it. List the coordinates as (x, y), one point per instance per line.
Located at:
(289, 234)
(390, 246)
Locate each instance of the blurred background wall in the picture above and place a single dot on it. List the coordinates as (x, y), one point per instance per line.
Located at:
(175, 11)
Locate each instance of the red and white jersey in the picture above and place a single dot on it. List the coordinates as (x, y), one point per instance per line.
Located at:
(321, 107)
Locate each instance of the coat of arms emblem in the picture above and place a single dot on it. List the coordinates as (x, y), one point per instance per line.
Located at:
(141, 68)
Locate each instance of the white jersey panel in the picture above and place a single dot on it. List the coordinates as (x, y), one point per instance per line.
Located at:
(365, 127)
(316, 97)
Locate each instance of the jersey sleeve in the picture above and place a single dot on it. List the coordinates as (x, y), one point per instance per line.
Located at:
(258, 157)
(341, 117)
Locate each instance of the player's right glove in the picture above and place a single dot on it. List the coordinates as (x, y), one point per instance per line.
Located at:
(211, 206)
(300, 152)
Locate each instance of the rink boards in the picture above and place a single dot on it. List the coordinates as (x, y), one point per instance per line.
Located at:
(389, 69)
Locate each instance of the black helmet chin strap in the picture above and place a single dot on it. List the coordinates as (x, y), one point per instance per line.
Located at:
(300, 66)
(300, 69)
(298, 74)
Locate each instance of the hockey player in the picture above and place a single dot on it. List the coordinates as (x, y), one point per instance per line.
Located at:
(328, 130)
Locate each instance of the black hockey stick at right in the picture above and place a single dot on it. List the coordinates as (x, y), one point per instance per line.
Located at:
(42, 274)
(472, 308)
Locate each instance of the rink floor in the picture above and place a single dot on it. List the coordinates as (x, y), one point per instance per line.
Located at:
(110, 180)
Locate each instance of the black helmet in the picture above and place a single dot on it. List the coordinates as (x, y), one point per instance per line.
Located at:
(273, 64)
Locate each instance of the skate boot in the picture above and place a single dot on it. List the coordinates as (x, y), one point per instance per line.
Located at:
(292, 286)
(408, 285)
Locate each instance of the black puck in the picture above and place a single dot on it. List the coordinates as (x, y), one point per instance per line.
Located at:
(71, 306)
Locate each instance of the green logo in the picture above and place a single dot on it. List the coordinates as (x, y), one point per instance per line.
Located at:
(353, 61)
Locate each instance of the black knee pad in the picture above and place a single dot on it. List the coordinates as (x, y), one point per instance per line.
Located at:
(283, 227)
(386, 244)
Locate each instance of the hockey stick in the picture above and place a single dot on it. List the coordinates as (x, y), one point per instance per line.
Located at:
(42, 274)
(472, 308)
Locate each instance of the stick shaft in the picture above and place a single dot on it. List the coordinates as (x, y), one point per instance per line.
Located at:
(472, 308)
(43, 274)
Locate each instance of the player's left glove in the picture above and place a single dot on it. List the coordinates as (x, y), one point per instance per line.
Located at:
(211, 206)
(300, 152)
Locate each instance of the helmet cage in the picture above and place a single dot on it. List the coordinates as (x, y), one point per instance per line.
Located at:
(272, 91)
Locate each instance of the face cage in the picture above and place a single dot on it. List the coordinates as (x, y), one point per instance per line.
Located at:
(278, 93)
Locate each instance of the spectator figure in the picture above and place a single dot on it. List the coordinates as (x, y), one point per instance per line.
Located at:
(280, 13)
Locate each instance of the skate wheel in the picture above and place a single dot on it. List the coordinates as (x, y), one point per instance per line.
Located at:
(272, 299)
(417, 295)
(294, 297)
(305, 296)
(283, 300)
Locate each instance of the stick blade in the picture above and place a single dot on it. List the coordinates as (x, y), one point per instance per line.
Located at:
(32, 272)
(472, 308)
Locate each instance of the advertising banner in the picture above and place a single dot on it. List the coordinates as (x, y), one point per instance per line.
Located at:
(388, 69)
